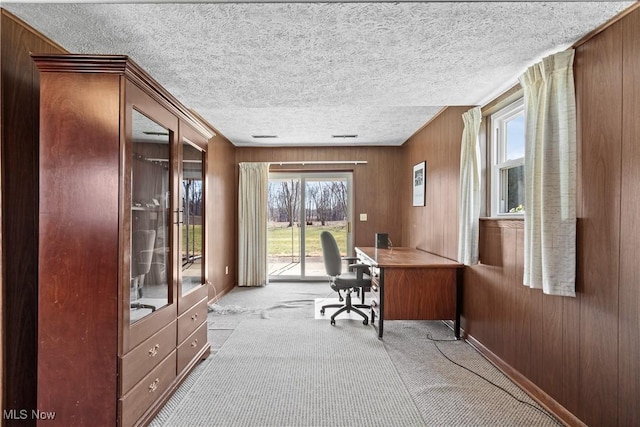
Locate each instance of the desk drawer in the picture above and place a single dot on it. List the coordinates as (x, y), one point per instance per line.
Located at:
(191, 319)
(142, 359)
(135, 403)
(375, 289)
(375, 296)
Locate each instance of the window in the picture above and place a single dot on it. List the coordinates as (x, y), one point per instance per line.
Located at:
(507, 166)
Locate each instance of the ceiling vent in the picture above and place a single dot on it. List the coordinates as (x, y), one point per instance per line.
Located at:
(264, 136)
(346, 136)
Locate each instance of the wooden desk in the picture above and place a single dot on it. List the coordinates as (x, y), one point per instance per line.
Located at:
(410, 284)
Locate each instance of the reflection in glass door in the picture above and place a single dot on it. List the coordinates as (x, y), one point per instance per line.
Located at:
(301, 206)
(191, 224)
(150, 219)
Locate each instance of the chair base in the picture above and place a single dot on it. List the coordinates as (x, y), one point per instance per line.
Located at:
(138, 305)
(348, 307)
(136, 289)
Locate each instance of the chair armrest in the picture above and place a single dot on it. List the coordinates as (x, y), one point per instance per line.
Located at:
(359, 266)
(360, 269)
(349, 260)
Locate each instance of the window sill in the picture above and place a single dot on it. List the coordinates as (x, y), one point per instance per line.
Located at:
(503, 222)
(503, 217)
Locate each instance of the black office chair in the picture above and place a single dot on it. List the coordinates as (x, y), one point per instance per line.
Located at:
(350, 281)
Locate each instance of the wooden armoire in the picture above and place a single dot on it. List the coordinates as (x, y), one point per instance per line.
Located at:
(122, 302)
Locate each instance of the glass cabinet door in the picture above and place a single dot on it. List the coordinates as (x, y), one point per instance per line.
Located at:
(150, 217)
(192, 217)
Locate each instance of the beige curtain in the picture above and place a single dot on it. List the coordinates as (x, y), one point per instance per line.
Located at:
(469, 211)
(550, 175)
(252, 224)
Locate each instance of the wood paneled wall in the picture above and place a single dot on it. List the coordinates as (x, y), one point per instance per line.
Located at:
(221, 216)
(583, 352)
(434, 227)
(20, 132)
(527, 331)
(600, 87)
(629, 283)
(375, 184)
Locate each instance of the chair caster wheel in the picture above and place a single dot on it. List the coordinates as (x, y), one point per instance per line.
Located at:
(333, 322)
(322, 311)
(365, 322)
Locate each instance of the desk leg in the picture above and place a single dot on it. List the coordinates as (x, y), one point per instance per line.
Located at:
(456, 326)
(380, 319)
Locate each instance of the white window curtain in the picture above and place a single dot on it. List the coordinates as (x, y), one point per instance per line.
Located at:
(252, 224)
(469, 214)
(550, 175)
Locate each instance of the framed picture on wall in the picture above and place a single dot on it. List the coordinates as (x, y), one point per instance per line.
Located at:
(419, 184)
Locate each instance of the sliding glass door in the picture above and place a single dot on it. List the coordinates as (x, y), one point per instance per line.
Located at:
(301, 206)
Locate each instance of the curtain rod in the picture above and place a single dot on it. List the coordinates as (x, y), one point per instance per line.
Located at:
(323, 162)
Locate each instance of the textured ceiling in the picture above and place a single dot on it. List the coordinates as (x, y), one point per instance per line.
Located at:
(306, 71)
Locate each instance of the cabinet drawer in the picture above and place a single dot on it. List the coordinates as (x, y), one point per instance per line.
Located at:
(142, 359)
(192, 346)
(191, 319)
(143, 395)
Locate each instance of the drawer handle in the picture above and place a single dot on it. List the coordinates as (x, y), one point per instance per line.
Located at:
(154, 385)
(194, 317)
(194, 343)
(154, 350)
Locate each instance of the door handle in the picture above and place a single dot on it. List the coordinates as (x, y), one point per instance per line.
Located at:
(179, 216)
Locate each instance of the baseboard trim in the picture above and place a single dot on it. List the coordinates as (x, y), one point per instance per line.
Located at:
(535, 392)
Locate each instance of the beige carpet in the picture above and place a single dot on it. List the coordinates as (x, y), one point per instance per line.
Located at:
(443, 393)
(281, 373)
